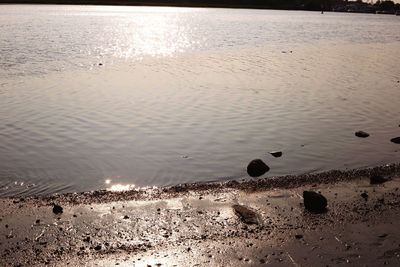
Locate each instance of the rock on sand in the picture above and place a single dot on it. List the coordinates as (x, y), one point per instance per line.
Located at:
(57, 209)
(246, 215)
(314, 202)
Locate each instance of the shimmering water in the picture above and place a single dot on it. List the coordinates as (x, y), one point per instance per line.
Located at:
(100, 97)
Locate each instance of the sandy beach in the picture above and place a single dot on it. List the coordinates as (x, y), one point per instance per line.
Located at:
(260, 222)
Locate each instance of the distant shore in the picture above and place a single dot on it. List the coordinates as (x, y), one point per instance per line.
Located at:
(321, 5)
(153, 4)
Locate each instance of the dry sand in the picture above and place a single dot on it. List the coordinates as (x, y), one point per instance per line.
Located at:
(196, 225)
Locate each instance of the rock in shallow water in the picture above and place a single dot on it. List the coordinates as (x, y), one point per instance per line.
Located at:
(257, 168)
(362, 134)
(314, 202)
(395, 140)
(276, 154)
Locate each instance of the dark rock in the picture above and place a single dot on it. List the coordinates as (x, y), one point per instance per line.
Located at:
(362, 134)
(364, 195)
(395, 140)
(314, 202)
(37, 221)
(246, 215)
(276, 154)
(100, 64)
(257, 168)
(98, 247)
(378, 179)
(298, 236)
(126, 217)
(57, 209)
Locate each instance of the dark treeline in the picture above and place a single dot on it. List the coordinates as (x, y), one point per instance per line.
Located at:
(317, 5)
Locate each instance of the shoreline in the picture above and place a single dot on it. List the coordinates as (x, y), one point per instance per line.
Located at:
(248, 185)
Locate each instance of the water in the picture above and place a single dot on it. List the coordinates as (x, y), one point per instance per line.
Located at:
(117, 97)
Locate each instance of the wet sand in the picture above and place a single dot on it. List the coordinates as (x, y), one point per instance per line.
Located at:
(196, 225)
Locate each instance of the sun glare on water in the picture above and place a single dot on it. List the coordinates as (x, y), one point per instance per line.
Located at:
(121, 187)
(147, 32)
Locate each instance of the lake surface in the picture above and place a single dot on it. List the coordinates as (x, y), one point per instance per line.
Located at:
(96, 97)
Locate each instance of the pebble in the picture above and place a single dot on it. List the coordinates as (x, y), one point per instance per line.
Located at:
(57, 209)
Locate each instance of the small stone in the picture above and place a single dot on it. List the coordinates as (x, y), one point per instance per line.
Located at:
(362, 134)
(364, 195)
(37, 221)
(314, 202)
(246, 214)
(98, 247)
(298, 236)
(395, 140)
(57, 209)
(378, 179)
(257, 168)
(276, 154)
(126, 217)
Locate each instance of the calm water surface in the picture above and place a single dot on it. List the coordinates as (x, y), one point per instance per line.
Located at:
(116, 97)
